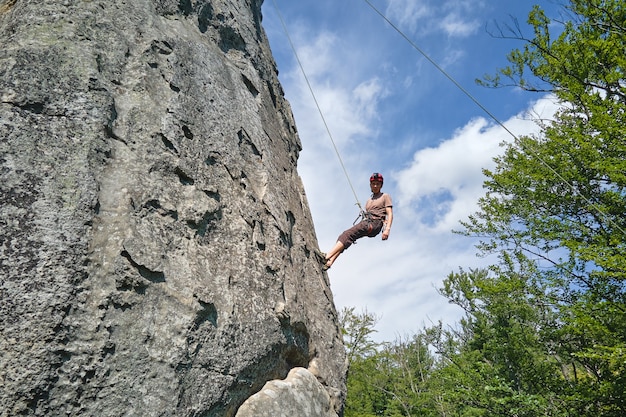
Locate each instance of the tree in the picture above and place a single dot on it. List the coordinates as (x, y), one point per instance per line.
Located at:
(357, 329)
(557, 200)
(499, 361)
(363, 398)
(385, 379)
(408, 364)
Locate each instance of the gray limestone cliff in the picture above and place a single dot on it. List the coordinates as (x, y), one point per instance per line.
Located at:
(156, 246)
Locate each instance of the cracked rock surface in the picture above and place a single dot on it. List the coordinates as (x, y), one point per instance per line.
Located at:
(156, 246)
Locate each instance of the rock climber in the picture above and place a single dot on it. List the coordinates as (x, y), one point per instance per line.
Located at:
(378, 215)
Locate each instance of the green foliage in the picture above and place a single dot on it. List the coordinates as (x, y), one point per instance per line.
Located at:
(357, 329)
(501, 364)
(554, 208)
(363, 399)
(387, 379)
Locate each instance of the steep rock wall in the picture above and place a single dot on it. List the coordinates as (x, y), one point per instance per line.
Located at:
(156, 246)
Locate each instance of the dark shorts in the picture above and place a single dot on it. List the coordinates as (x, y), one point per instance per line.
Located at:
(369, 228)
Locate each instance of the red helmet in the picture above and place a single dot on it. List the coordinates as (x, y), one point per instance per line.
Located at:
(376, 177)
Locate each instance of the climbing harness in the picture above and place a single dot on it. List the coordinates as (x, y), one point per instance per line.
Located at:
(366, 216)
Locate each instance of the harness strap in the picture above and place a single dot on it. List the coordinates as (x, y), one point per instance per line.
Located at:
(366, 216)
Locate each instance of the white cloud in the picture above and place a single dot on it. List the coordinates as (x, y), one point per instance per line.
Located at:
(347, 101)
(408, 14)
(367, 95)
(455, 25)
(452, 17)
(453, 169)
(453, 57)
(315, 63)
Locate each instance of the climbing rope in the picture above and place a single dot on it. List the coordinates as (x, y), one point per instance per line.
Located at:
(280, 17)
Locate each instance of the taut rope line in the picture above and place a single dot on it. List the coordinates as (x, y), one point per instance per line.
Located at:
(317, 105)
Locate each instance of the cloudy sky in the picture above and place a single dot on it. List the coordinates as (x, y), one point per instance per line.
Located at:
(390, 110)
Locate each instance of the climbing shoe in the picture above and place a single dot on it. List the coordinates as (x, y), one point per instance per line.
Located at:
(321, 256)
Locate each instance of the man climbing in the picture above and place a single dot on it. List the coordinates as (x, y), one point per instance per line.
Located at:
(378, 216)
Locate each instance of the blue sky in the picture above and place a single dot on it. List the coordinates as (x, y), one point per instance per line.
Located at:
(389, 110)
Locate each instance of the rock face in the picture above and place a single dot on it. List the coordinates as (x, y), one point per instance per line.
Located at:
(156, 246)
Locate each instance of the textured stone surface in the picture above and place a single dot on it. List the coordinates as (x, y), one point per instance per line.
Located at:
(300, 394)
(156, 246)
